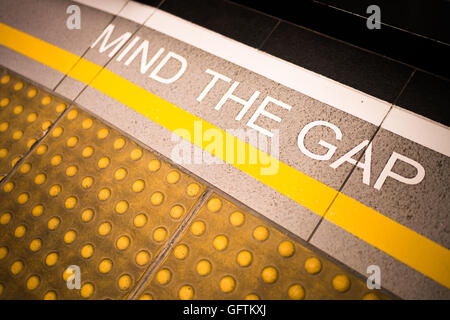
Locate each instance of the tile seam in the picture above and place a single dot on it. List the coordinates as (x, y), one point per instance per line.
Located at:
(269, 35)
(383, 23)
(169, 244)
(351, 172)
(361, 155)
(412, 67)
(165, 250)
(44, 134)
(58, 119)
(82, 56)
(103, 66)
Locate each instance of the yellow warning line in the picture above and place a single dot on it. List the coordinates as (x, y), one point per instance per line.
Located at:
(31, 47)
(407, 246)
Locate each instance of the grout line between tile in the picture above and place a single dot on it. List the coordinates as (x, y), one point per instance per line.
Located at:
(360, 157)
(58, 119)
(34, 146)
(413, 67)
(71, 101)
(383, 23)
(269, 35)
(84, 53)
(145, 278)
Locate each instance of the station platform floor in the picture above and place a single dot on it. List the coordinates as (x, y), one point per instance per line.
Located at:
(143, 156)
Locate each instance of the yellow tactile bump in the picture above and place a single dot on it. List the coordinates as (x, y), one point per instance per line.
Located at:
(26, 112)
(90, 198)
(227, 253)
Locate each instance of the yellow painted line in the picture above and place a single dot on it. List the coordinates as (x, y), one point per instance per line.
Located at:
(36, 49)
(404, 244)
(304, 191)
(407, 246)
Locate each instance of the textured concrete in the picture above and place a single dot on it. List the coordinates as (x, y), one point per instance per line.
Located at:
(396, 277)
(46, 20)
(234, 21)
(184, 92)
(424, 208)
(70, 87)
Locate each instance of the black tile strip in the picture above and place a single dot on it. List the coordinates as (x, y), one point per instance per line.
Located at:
(153, 3)
(428, 18)
(406, 47)
(226, 18)
(362, 70)
(429, 96)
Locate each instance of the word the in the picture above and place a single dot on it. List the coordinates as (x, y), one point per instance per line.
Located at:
(260, 111)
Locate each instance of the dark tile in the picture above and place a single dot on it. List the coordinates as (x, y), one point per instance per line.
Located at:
(428, 96)
(424, 17)
(233, 21)
(153, 3)
(393, 42)
(349, 65)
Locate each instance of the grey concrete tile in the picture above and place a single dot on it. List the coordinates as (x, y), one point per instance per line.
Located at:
(423, 207)
(110, 6)
(70, 87)
(184, 93)
(46, 20)
(396, 277)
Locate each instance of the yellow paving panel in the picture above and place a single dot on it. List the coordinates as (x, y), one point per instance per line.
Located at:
(26, 113)
(88, 197)
(227, 253)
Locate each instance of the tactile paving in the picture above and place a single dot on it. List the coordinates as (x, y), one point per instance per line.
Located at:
(90, 197)
(228, 253)
(26, 113)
